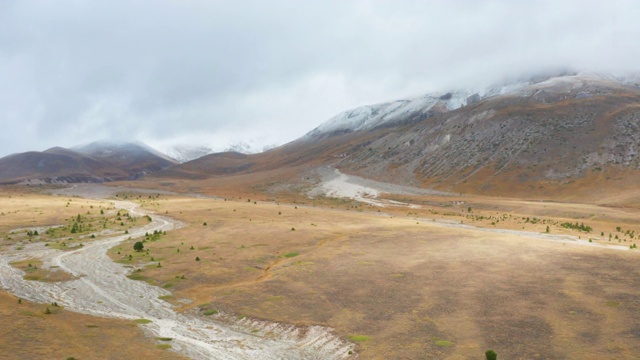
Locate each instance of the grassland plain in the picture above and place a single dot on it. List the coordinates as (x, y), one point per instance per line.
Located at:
(27, 331)
(395, 282)
(103, 289)
(401, 285)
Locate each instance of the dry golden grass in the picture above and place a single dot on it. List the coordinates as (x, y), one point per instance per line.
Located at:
(27, 332)
(393, 282)
(24, 212)
(24, 207)
(400, 286)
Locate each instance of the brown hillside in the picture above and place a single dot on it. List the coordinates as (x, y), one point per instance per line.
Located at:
(566, 137)
(55, 165)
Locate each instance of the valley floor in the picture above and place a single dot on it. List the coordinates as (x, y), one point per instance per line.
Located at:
(448, 278)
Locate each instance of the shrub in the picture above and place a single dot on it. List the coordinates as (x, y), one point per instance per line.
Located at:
(138, 246)
(491, 355)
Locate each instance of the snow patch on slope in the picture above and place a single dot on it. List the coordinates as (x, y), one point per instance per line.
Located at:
(407, 110)
(410, 110)
(184, 153)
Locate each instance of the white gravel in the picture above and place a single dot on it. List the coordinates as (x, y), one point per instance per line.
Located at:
(336, 184)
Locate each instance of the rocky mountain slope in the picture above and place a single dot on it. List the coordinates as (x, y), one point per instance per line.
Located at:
(555, 132)
(567, 132)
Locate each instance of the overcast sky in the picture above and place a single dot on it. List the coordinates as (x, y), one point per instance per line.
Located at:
(217, 72)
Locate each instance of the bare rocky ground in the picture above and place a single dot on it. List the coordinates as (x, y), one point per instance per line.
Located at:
(334, 183)
(103, 289)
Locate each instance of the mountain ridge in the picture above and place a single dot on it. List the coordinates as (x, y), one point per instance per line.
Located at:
(95, 162)
(414, 109)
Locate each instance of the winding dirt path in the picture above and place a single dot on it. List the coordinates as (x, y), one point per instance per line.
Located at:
(103, 289)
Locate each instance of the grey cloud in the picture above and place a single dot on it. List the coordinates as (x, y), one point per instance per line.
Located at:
(75, 71)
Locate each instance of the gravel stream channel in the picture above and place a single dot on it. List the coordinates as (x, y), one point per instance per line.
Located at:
(103, 289)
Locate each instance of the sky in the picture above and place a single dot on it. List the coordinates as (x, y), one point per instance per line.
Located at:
(215, 73)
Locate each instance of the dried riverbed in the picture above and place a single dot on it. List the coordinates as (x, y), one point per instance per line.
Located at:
(103, 289)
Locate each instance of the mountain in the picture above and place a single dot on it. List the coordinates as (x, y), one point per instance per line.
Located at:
(571, 133)
(407, 111)
(561, 133)
(185, 153)
(56, 165)
(135, 158)
(244, 147)
(95, 162)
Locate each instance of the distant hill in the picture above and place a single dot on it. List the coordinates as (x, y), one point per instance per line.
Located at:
(95, 162)
(135, 158)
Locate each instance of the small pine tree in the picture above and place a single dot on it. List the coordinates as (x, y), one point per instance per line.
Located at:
(548, 230)
(197, 258)
(138, 246)
(47, 311)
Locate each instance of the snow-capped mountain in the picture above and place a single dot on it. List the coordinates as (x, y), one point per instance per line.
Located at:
(415, 109)
(184, 153)
(247, 148)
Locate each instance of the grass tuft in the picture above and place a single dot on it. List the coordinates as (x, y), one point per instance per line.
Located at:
(444, 343)
(359, 338)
